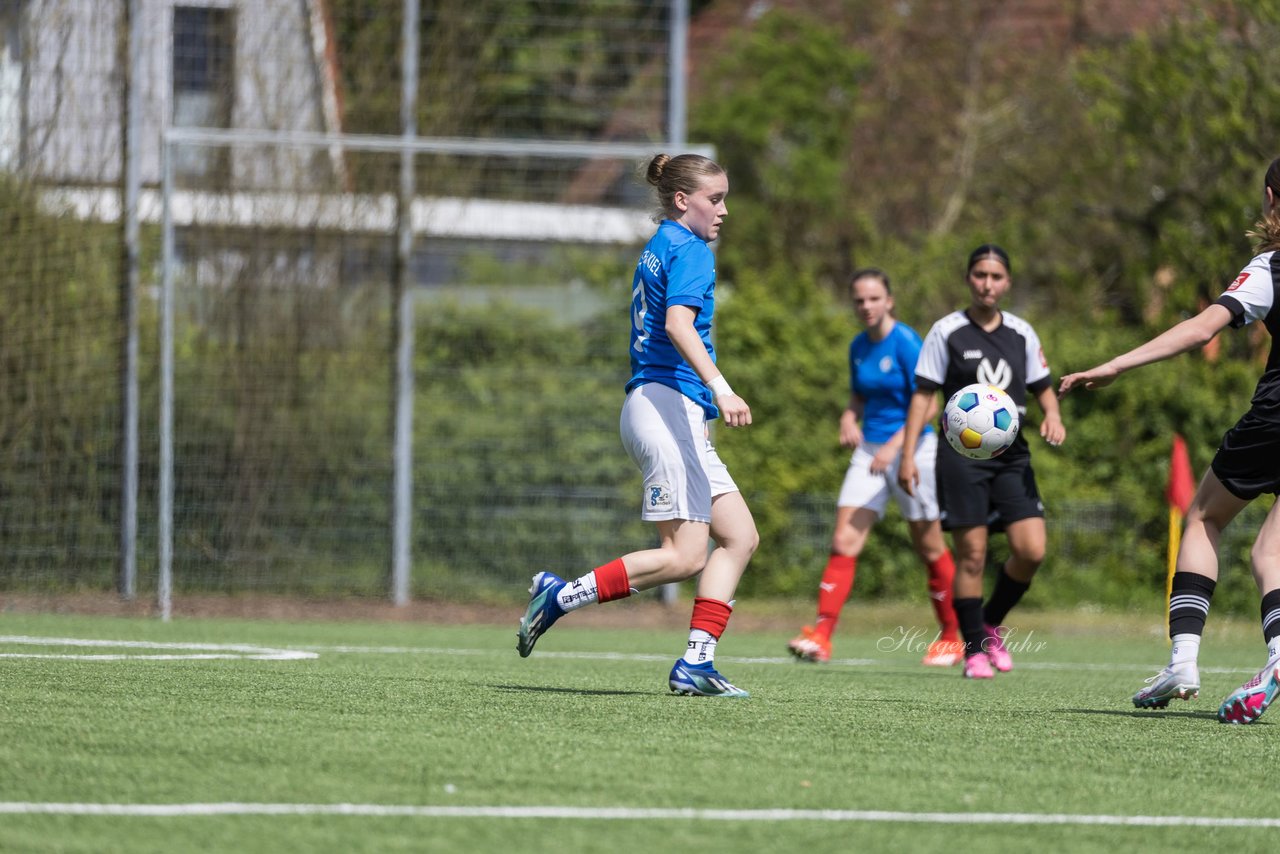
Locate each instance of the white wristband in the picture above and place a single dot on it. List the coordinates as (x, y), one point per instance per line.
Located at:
(719, 386)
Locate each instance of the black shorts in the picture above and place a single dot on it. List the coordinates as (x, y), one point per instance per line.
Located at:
(993, 493)
(1248, 460)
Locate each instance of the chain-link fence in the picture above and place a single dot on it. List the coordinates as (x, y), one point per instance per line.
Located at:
(358, 327)
(288, 189)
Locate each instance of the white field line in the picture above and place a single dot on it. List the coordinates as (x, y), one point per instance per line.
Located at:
(1022, 663)
(215, 651)
(182, 651)
(208, 652)
(624, 814)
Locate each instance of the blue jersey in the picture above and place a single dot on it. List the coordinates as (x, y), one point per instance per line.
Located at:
(883, 374)
(675, 268)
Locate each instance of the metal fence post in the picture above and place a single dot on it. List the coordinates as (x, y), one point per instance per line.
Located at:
(403, 333)
(678, 42)
(131, 55)
(164, 583)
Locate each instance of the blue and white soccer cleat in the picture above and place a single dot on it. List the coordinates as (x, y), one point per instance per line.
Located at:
(542, 612)
(701, 680)
(1180, 682)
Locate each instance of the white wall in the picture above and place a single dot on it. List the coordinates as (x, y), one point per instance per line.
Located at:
(74, 107)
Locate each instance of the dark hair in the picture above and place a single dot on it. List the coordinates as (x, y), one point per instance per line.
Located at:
(683, 173)
(985, 251)
(1266, 231)
(871, 273)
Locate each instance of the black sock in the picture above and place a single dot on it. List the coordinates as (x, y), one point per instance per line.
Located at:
(969, 615)
(1006, 594)
(1189, 599)
(1271, 615)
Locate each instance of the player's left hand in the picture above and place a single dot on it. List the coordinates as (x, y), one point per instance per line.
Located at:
(734, 410)
(882, 460)
(1052, 430)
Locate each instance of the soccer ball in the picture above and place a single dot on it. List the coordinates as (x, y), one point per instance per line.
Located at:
(980, 421)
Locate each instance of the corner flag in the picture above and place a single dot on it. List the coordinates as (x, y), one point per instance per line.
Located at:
(1178, 493)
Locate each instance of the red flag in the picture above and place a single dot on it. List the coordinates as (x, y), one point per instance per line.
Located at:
(1182, 486)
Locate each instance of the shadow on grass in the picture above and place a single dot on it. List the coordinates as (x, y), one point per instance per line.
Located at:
(1145, 714)
(543, 689)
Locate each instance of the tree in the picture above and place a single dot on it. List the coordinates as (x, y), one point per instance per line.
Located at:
(1173, 180)
(780, 104)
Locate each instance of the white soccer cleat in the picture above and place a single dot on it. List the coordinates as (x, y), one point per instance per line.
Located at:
(1180, 682)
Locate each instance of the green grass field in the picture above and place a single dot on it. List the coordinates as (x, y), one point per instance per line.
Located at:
(870, 753)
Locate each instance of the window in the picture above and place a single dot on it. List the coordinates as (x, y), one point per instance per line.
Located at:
(10, 84)
(203, 86)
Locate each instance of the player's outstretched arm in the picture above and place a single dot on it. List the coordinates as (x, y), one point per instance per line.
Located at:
(1188, 335)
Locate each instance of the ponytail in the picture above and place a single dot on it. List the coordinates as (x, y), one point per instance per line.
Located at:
(1266, 231)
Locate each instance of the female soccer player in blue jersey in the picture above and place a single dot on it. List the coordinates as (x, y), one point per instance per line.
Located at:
(987, 345)
(882, 367)
(675, 389)
(1246, 465)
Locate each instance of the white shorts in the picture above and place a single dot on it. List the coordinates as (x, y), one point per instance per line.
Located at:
(861, 488)
(666, 435)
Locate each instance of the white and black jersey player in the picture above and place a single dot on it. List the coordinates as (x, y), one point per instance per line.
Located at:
(984, 344)
(1246, 465)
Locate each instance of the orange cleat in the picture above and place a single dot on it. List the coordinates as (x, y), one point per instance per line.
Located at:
(810, 646)
(943, 653)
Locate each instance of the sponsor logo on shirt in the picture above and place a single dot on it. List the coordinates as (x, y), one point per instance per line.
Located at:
(1238, 282)
(972, 354)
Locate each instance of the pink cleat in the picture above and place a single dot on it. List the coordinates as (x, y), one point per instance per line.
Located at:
(978, 666)
(994, 647)
(1247, 703)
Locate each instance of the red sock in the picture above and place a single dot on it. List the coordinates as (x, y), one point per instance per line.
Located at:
(612, 582)
(710, 615)
(837, 581)
(942, 576)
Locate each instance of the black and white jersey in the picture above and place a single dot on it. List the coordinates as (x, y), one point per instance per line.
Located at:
(958, 352)
(1252, 296)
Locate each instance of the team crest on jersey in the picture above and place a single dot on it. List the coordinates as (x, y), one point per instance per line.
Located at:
(886, 364)
(1238, 282)
(999, 374)
(657, 496)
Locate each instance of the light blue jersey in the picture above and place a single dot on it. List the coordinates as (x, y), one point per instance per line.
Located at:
(883, 374)
(675, 268)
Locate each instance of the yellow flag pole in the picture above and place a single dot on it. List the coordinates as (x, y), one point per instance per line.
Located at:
(1175, 539)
